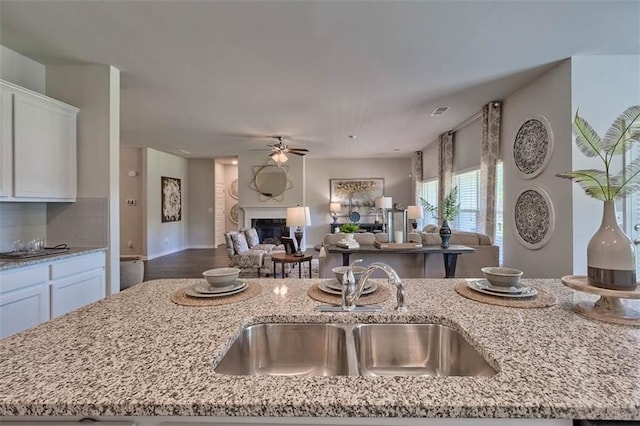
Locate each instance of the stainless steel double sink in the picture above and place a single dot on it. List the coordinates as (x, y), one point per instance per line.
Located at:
(284, 349)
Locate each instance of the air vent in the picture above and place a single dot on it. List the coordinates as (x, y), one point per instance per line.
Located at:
(439, 111)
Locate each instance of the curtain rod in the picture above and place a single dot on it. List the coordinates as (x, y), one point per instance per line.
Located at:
(466, 122)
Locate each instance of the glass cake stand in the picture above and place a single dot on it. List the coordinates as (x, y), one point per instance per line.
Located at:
(609, 307)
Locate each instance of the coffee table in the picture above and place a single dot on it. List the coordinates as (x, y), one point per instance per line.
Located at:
(290, 258)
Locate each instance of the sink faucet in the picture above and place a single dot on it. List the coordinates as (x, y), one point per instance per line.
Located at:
(351, 291)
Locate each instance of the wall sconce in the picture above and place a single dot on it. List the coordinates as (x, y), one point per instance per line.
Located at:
(414, 213)
(334, 209)
(298, 217)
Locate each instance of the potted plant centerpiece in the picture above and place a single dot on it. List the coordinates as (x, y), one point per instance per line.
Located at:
(447, 212)
(348, 229)
(611, 256)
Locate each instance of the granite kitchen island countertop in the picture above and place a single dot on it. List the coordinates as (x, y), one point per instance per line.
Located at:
(139, 354)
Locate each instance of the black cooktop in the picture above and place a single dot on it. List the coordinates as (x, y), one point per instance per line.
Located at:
(23, 255)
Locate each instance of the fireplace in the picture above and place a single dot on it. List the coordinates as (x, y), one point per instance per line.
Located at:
(270, 229)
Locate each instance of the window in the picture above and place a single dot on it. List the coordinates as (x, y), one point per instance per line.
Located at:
(429, 192)
(467, 183)
(499, 211)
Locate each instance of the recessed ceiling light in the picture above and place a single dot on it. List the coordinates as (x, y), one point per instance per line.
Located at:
(439, 111)
(396, 149)
(234, 162)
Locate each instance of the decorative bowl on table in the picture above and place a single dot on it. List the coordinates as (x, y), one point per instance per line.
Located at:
(501, 276)
(339, 272)
(221, 277)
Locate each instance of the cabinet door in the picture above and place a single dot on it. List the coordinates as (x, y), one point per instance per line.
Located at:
(44, 146)
(71, 293)
(23, 309)
(6, 140)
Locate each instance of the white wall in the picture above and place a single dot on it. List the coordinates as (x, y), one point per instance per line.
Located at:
(550, 96)
(95, 89)
(131, 189)
(467, 147)
(602, 87)
(23, 71)
(168, 237)
(397, 184)
(200, 216)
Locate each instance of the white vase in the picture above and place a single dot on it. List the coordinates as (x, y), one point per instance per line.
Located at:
(611, 255)
(348, 236)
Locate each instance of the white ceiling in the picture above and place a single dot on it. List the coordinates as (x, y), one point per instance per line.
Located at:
(215, 78)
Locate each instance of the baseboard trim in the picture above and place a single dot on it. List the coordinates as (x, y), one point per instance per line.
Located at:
(164, 253)
(201, 247)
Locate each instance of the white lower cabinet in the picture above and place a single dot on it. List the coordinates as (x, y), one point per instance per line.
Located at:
(31, 296)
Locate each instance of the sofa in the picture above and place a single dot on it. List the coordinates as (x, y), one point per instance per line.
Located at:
(414, 265)
(468, 266)
(246, 252)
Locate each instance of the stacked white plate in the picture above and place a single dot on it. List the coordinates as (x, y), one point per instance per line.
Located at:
(334, 287)
(203, 289)
(518, 291)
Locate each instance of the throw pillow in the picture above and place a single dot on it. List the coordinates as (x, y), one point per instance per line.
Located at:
(252, 237)
(239, 243)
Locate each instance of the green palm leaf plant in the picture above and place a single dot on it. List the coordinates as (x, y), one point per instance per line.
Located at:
(449, 210)
(604, 184)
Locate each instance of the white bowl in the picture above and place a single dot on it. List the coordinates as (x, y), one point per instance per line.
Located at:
(221, 277)
(502, 276)
(339, 271)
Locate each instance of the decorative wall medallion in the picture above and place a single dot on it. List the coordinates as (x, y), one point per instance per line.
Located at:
(533, 217)
(171, 199)
(233, 189)
(532, 146)
(233, 214)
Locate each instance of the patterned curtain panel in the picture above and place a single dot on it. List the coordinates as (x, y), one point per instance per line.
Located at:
(491, 118)
(445, 166)
(416, 176)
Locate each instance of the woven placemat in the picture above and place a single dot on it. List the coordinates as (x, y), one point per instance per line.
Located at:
(179, 297)
(543, 299)
(380, 295)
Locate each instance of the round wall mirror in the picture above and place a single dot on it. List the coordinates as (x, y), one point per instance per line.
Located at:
(270, 180)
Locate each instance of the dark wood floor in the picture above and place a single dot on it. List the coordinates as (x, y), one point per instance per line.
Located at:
(185, 264)
(189, 263)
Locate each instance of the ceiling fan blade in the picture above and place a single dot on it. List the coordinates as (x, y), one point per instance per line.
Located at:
(273, 153)
(298, 149)
(296, 153)
(258, 149)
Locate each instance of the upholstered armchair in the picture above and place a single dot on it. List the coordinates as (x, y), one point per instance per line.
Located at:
(246, 252)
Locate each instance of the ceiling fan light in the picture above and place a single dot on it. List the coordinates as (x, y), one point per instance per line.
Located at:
(280, 157)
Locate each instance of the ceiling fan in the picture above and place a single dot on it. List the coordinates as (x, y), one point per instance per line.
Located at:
(279, 150)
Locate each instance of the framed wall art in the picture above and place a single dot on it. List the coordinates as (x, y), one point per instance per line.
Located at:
(533, 217)
(171, 199)
(233, 213)
(356, 194)
(233, 189)
(532, 146)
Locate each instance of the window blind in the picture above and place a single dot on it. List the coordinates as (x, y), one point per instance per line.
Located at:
(467, 183)
(499, 211)
(430, 193)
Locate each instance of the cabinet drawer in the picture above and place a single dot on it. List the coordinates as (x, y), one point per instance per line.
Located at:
(23, 309)
(77, 291)
(77, 265)
(22, 278)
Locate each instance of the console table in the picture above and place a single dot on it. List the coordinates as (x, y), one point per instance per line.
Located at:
(450, 255)
(366, 227)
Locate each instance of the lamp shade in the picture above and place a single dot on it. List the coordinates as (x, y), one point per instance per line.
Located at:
(298, 216)
(414, 212)
(384, 203)
(335, 207)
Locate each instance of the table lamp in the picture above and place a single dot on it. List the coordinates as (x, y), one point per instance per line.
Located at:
(384, 203)
(335, 208)
(298, 217)
(413, 213)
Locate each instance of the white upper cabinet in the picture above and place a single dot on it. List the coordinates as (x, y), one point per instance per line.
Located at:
(41, 142)
(6, 143)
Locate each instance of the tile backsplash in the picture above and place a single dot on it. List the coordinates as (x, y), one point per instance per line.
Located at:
(80, 224)
(21, 221)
